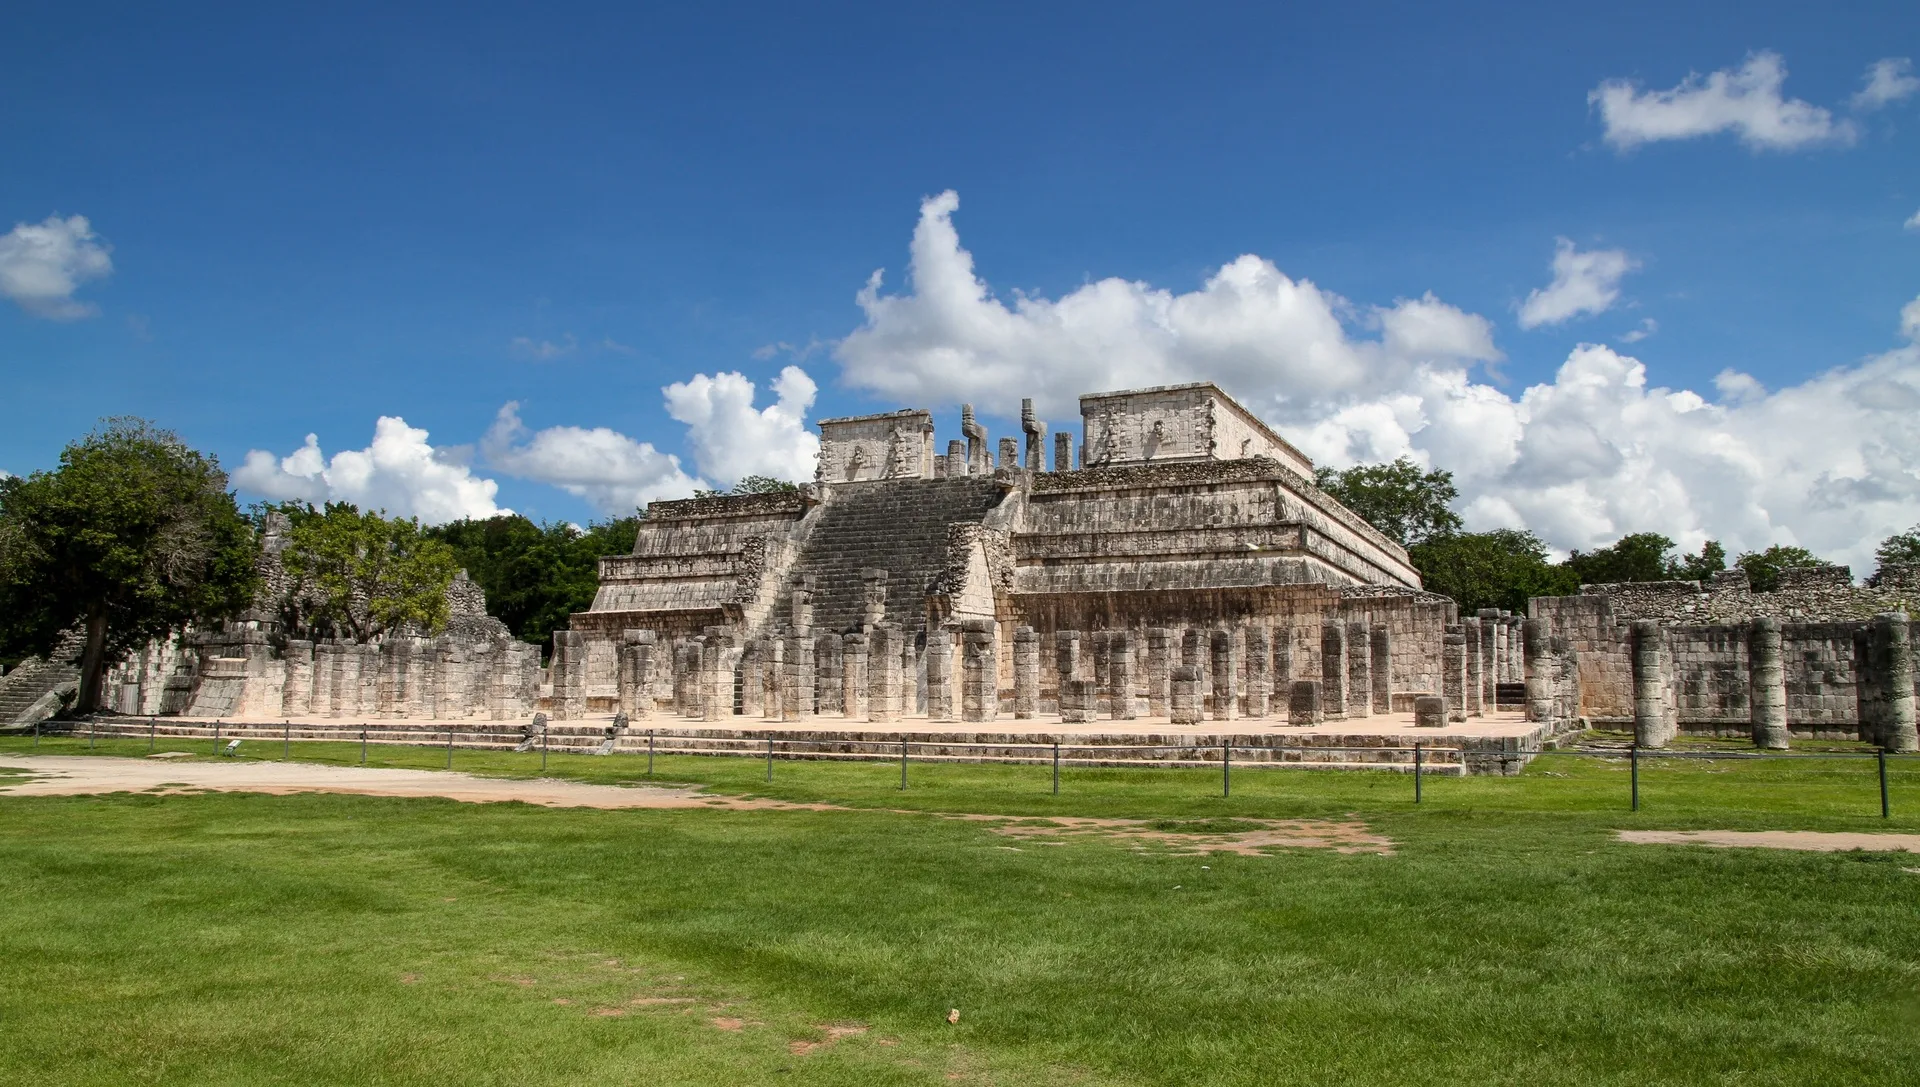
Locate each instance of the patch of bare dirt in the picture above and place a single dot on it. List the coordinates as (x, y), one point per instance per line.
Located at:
(79, 775)
(727, 1022)
(833, 1031)
(1194, 837)
(1815, 841)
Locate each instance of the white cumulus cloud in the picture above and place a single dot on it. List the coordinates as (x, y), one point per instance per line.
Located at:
(1746, 101)
(1249, 327)
(42, 264)
(1601, 450)
(400, 472)
(1583, 284)
(612, 472)
(731, 439)
(1887, 81)
(1913, 221)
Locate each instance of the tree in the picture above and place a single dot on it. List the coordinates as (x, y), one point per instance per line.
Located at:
(1641, 556)
(1711, 560)
(536, 576)
(133, 536)
(753, 485)
(1763, 567)
(1498, 569)
(1398, 499)
(1901, 547)
(363, 573)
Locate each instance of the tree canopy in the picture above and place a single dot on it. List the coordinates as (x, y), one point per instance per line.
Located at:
(361, 574)
(1901, 547)
(535, 576)
(1498, 569)
(1763, 567)
(1399, 499)
(133, 536)
(753, 485)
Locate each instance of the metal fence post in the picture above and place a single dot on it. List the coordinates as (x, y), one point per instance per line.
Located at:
(363, 743)
(36, 735)
(151, 722)
(90, 735)
(543, 750)
(449, 747)
(1633, 764)
(216, 735)
(769, 757)
(903, 762)
(1416, 771)
(1886, 811)
(1226, 769)
(286, 743)
(1056, 767)
(649, 752)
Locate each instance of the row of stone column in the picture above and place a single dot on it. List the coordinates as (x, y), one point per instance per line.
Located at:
(430, 678)
(1884, 683)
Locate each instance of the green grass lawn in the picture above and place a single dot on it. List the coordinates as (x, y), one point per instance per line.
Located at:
(1508, 940)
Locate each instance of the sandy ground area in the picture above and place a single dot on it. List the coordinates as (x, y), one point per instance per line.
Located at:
(1816, 841)
(77, 775)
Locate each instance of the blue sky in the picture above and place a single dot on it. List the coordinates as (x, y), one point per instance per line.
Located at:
(314, 220)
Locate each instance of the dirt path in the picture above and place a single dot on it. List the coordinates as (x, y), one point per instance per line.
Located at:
(1816, 841)
(78, 775)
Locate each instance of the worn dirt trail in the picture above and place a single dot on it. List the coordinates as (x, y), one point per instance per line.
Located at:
(1812, 840)
(79, 775)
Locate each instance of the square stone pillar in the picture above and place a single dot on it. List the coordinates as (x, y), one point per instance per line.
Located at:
(1259, 672)
(1076, 701)
(909, 672)
(1185, 698)
(979, 672)
(1359, 670)
(853, 677)
(1009, 453)
(1282, 665)
(1539, 674)
(1102, 663)
(569, 671)
(1159, 671)
(1476, 667)
(1062, 451)
(326, 668)
(1453, 673)
(830, 689)
(1026, 673)
(755, 681)
(716, 677)
(1066, 656)
(797, 679)
(1429, 711)
(883, 673)
(1333, 671)
(1653, 724)
(1381, 639)
(1303, 703)
(1225, 704)
(634, 675)
(296, 698)
(1891, 642)
(940, 701)
(1120, 705)
(768, 705)
(1766, 685)
(956, 458)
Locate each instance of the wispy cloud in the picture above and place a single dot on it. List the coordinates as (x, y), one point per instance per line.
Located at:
(1584, 283)
(1747, 101)
(1887, 81)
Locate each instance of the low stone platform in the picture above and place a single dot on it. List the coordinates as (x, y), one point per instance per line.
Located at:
(1499, 743)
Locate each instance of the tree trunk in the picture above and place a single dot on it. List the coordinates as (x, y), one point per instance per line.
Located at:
(93, 662)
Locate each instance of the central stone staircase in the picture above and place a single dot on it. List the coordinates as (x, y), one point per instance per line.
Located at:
(900, 526)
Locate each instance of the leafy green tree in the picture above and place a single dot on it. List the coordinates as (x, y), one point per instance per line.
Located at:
(1641, 556)
(1763, 567)
(753, 485)
(363, 573)
(1498, 569)
(133, 536)
(1901, 547)
(1711, 560)
(1398, 499)
(535, 576)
